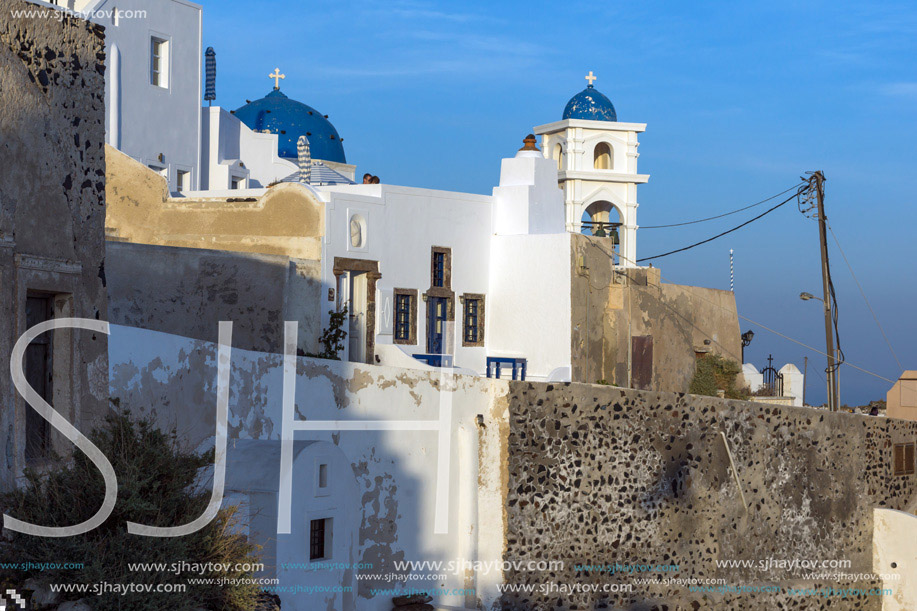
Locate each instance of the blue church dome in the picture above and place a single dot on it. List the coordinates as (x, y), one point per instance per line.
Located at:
(590, 104)
(290, 119)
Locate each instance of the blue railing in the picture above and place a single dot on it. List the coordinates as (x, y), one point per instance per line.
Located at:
(495, 364)
(435, 360)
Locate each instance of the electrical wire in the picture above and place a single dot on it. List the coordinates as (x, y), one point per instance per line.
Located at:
(863, 293)
(719, 235)
(719, 216)
(766, 328)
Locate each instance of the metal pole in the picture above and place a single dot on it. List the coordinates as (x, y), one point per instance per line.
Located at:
(826, 291)
(732, 273)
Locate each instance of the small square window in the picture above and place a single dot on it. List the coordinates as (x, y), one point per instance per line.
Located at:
(159, 62)
(323, 476)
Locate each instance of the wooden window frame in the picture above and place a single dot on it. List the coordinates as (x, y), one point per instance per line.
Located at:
(447, 267)
(411, 339)
(159, 62)
(903, 459)
(37, 429)
(318, 539)
(62, 279)
(467, 298)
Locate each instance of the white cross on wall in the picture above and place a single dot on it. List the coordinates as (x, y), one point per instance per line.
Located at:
(590, 78)
(277, 76)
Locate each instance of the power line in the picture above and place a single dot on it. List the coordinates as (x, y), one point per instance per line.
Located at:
(672, 252)
(863, 293)
(796, 341)
(719, 216)
(766, 328)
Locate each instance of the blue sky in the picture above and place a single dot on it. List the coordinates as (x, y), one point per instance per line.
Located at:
(739, 101)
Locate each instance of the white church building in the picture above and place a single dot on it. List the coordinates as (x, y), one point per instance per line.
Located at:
(428, 278)
(431, 281)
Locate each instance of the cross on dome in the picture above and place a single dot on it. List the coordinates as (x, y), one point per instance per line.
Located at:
(590, 78)
(277, 76)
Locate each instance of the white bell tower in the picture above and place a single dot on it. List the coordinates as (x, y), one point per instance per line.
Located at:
(596, 160)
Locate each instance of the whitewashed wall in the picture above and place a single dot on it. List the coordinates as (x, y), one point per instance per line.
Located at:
(227, 142)
(530, 279)
(144, 120)
(174, 378)
(523, 276)
(402, 225)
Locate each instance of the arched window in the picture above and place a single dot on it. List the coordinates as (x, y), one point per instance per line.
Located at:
(559, 156)
(603, 157)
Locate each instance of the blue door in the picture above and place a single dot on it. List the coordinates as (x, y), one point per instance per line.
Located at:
(436, 323)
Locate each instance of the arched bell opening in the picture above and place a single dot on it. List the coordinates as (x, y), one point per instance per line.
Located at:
(602, 219)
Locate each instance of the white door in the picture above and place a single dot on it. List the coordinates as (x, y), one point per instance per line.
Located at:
(356, 309)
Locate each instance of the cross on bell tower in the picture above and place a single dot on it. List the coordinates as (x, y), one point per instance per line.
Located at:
(277, 76)
(596, 157)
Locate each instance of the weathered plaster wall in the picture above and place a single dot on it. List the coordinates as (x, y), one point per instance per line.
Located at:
(287, 219)
(188, 291)
(174, 379)
(52, 204)
(644, 478)
(610, 306)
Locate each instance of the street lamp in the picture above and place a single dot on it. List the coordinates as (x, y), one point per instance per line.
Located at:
(833, 377)
(746, 339)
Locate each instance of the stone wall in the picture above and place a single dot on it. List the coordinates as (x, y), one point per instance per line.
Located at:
(611, 306)
(599, 475)
(52, 207)
(188, 291)
(584, 474)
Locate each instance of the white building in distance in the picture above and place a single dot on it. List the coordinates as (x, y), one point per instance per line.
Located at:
(152, 82)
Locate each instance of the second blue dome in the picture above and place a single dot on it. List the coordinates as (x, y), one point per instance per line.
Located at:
(592, 105)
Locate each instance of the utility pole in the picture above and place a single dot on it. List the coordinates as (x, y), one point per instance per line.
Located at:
(819, 179)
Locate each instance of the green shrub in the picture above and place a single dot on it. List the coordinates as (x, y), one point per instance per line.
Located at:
(332, 337)
(713, 373)
(155, 487)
